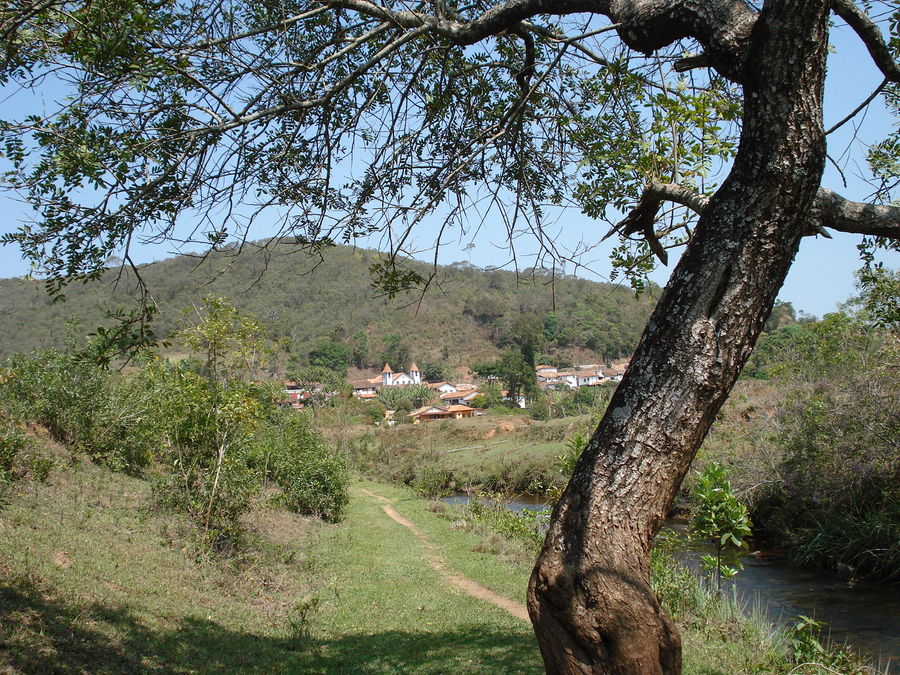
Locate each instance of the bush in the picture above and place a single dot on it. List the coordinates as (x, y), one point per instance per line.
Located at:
(833, 500)
(527, 525)
(12, 441)
(56, 389)
(207, 426)
(836, 503)
(432, 482)
(313, 477)
(84, 407)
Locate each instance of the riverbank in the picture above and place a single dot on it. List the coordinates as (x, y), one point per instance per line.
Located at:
(94, 580)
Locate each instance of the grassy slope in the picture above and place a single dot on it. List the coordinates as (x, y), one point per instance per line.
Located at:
(91, 580)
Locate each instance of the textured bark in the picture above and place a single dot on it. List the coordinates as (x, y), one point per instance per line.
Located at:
(590, 597)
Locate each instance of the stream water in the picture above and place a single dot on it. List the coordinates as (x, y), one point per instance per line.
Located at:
(868, 618)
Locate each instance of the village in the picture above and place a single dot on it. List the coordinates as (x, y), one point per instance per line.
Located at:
(457, 400)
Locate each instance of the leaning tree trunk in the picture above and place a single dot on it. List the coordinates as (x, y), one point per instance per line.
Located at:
(590, 597)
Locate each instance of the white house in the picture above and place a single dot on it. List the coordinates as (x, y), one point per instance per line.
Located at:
(460, 397)
(588, 378)
(443, 387)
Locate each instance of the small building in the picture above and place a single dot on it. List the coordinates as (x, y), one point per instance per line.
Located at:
(435, 412)
(443, 387)
(460, 397)
(588, 377)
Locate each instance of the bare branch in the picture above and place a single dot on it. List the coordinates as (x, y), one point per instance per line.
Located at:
(829, 210)
(832, 210)
(278, 25)
(643, 217)
(871, 36)
(859, 108)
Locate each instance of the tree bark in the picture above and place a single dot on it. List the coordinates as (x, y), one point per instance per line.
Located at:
(590, 598)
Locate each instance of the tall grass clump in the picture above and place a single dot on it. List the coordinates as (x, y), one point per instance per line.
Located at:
(490, 509)
(834, 497)
(12, 441)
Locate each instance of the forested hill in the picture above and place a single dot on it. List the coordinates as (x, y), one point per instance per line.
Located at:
(467, 314)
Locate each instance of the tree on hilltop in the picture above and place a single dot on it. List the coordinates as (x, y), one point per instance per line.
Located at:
(350, 117)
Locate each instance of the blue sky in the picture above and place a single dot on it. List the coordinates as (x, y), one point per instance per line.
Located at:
(820, 279)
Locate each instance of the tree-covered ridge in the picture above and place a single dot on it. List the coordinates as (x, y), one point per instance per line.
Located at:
(307, 303)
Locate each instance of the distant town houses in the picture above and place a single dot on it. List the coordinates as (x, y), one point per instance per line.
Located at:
(589, 375)
(455, 400)
(368, 388)
(436, 412)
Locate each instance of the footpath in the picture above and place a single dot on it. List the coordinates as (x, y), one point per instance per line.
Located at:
(438, 564)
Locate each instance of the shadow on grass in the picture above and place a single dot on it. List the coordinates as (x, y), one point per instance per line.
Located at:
(43, 634)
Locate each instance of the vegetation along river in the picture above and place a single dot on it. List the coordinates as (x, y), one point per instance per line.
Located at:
(866, 617)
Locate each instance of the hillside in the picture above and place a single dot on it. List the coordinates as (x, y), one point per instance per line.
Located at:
(467, 314)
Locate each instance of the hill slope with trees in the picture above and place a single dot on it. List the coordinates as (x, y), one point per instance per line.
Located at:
(328, 305)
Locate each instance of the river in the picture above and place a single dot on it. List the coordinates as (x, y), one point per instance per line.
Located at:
(868, 618)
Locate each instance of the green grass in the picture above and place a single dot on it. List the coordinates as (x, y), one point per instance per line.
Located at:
(503, 453)
(388, 611)
(92, 580)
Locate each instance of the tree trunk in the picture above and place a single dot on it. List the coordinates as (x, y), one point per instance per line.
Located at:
(590, 597)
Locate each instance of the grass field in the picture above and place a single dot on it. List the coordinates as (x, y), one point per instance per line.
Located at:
(92, 579)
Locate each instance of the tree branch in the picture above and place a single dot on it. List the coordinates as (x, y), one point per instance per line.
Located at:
(832, 210)
(722, 27)
(862, 106)
(829, 210)
(643, 217)
(871, 36)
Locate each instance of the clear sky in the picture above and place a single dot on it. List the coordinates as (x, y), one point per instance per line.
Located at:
(822, 275)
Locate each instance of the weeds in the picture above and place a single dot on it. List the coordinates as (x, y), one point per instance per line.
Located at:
(299, 623)
(432, 482)
(490, 509)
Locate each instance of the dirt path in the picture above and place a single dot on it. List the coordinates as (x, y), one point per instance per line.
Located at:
(437, 563)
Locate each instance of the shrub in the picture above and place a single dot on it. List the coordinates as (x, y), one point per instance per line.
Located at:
(207, 426)
(12, 441)
(835, 501)
(527, 525)
(313, 477)
(84, 407)
(56, 389)
(432, 482)
(722, 519)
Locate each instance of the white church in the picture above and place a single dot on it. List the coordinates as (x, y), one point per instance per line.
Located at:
(388, 378)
